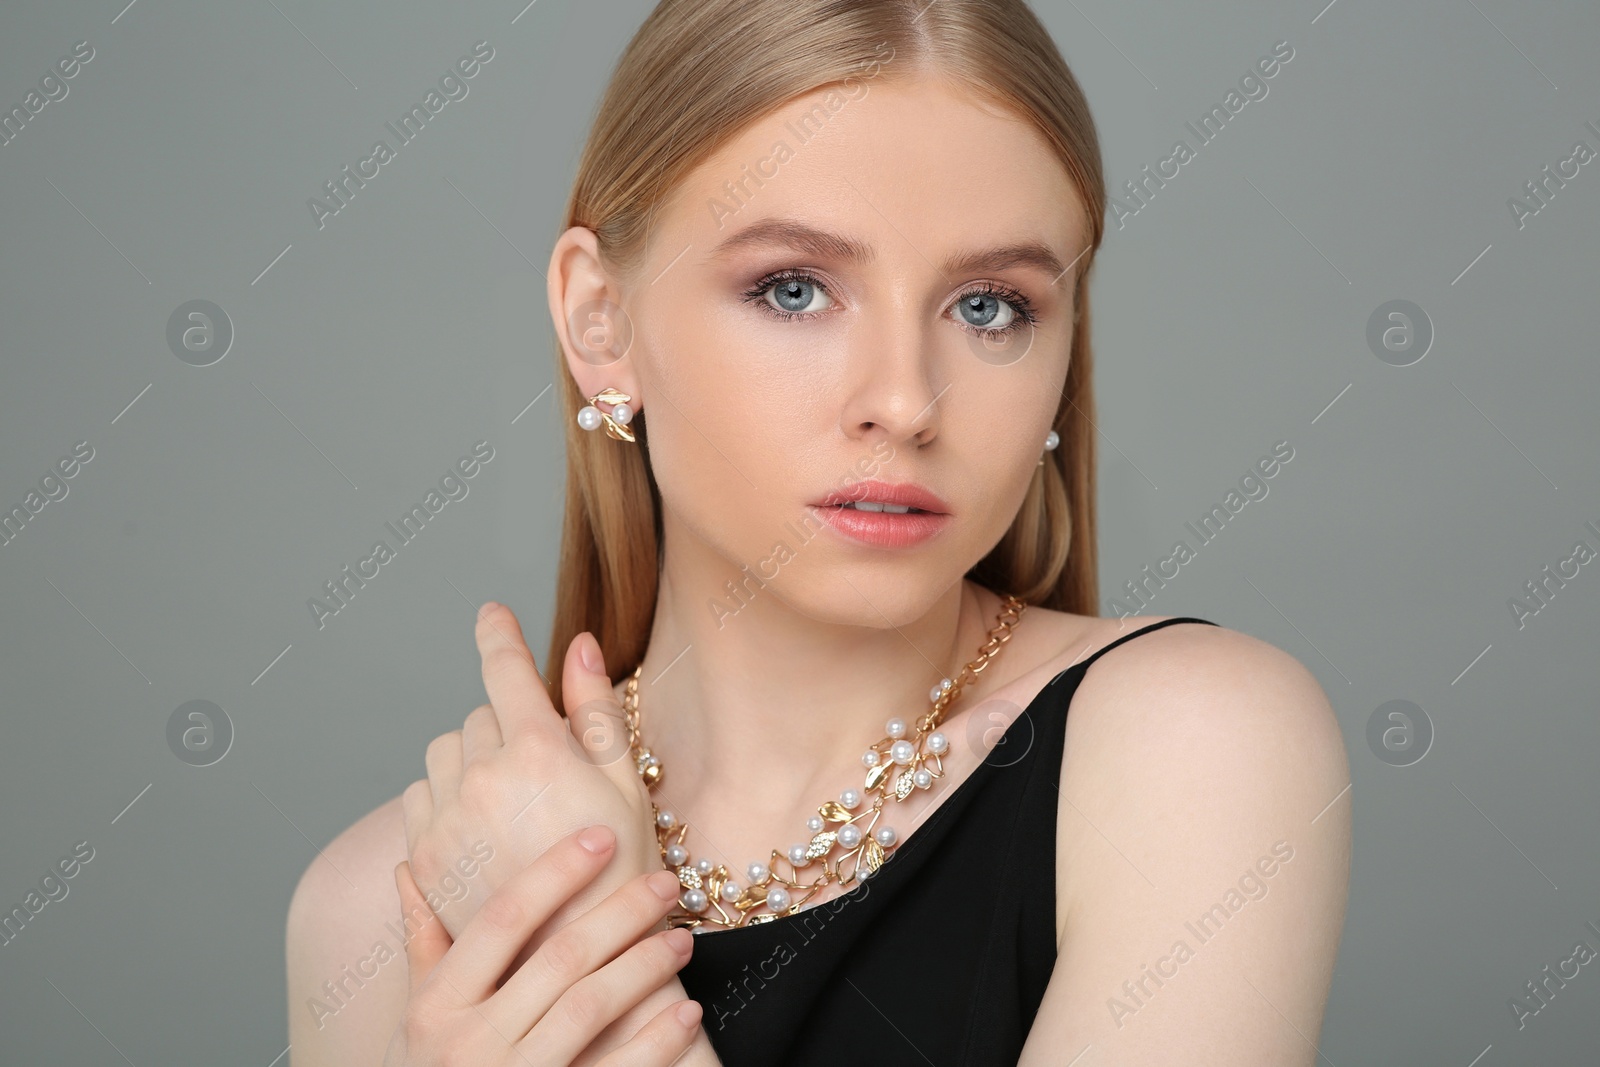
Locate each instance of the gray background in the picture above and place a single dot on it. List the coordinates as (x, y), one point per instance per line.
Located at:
(1230, 313)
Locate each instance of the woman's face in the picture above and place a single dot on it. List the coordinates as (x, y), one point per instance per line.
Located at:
(867, 286)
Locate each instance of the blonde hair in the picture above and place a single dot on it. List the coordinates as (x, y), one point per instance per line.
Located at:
(694, 75)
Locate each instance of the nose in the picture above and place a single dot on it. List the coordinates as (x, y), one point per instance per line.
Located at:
(890, 388)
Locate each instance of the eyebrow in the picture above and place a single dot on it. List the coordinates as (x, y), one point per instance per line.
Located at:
(803, 237)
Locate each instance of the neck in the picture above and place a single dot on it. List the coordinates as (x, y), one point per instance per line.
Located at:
(768, 710)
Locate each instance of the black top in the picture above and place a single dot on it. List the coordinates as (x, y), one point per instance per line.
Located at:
(921, 962)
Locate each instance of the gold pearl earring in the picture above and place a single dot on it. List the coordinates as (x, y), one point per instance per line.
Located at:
(615, 421)
(1051, 441)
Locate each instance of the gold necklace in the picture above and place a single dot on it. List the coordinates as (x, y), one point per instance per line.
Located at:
(895, 764)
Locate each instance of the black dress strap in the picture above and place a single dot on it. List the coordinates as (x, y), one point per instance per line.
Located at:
(933, 959)
(1084, 664)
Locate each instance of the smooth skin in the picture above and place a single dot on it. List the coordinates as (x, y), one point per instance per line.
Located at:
(552, 1006)
(1189, 752)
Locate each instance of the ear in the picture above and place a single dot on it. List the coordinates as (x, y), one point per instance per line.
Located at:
(596, 332)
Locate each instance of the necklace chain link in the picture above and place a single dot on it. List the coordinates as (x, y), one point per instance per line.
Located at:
(904, 760)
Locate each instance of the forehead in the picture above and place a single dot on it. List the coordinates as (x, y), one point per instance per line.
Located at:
(924, 158)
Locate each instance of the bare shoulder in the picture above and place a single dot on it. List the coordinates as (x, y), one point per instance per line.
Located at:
(1241, 700)
(346, 960)
(1203, 815)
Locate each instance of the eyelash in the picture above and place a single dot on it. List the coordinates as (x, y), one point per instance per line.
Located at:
(1025, 314)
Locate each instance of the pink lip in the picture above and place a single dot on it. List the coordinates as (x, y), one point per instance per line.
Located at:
(909, 494)
(881, 528)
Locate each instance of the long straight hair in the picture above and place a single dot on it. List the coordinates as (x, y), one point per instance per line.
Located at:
(694, 75)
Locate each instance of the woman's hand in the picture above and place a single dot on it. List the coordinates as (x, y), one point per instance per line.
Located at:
(551, 1008)
(518, 776)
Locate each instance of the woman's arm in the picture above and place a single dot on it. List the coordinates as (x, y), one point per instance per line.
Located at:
(346, 952)
(464, 835)
(348, 975)
(1203, 858)
(550, 1009)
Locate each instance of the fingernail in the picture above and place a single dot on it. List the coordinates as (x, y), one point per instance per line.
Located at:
(679, 940)
(589, 652)
(488, 606)
(664, 884)
(597, 838)
(689, 1013)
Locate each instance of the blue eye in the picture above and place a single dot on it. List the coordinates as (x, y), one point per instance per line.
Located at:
(982, 307)
(796, 294)
(985, 309)
(788, 294)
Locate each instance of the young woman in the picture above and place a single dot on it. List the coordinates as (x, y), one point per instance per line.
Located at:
(827, 593)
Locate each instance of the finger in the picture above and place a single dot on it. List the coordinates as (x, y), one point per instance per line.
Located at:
(480, 734)
(661, 1040)
(595, 1002)
(515, 688)
(586, 944)
(443, 760)
(416, 803)
(427, 940)
(595, 718)
(504, 923)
